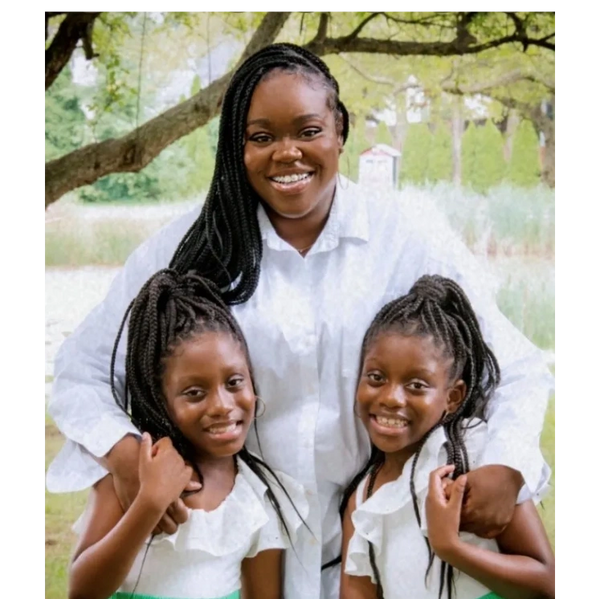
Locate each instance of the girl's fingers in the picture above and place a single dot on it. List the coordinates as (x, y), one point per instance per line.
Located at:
(458, 491)
(146, 447)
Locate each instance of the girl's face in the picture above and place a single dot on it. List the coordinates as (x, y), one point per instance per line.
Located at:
(403, 391)
(292, 146)
(209, 394)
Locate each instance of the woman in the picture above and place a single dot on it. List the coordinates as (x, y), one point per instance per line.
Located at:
(306, 260)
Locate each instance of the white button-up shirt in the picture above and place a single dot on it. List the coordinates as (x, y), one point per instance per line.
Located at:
(304, 326)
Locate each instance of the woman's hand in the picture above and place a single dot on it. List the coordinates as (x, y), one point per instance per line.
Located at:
(443, 512)
(490, 498)
(163, 473)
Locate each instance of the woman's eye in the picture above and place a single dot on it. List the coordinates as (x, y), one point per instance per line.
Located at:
(260, 138)
(236, 381)
(375, 377)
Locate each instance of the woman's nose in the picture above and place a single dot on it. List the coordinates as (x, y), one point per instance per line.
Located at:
(286, 150)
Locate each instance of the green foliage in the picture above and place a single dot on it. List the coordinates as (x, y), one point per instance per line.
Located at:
(440, 156)
(524, 164)
(65, 120)
(415, 154)
(356, 144)
(383, 134)
(483, 164)
(200, 150)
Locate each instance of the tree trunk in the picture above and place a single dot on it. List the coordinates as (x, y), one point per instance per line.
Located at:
(544, 121)
(76, 26)
(457, 132)
(511, 126)
(548, 161)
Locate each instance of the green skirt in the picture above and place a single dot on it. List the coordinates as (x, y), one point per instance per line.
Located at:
(123, 595)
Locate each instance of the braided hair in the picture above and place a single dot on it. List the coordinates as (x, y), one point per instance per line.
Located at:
(170, 309)
(438, 307)
(224, 243)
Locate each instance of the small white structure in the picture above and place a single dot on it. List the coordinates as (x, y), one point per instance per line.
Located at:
(378, 166)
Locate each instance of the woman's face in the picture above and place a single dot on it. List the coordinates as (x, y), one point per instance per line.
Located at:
(292, 146)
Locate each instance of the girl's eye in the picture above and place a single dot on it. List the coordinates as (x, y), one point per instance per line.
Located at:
(310, 132)
(375, 377)
(194, 393)
(417, 386)
(235, 381)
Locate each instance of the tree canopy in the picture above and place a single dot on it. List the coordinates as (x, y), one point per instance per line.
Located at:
(508, 54)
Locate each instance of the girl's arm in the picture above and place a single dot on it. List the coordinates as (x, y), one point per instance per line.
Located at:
(353, 587)
(111, 540)
(262, 576)
(524, 569)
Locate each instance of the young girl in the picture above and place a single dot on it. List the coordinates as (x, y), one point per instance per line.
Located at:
(189, 387)
(425, 379)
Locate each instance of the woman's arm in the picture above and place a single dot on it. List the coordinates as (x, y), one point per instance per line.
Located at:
(516, 410)
(261, 575)
(81, 403)
(353, 587)
(111, 540)
(524, 569)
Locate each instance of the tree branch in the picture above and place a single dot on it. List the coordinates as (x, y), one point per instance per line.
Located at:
(449, 86)
(505, 79)
(134, 151)
(322, 30)
(429, 21)
(361, 26)
(75, 27)
(455, 47)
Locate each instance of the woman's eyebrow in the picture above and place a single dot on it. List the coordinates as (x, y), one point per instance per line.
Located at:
(264, 122)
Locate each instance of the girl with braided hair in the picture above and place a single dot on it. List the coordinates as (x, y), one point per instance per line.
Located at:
(426, 376)
(305, 258)
(189, 387)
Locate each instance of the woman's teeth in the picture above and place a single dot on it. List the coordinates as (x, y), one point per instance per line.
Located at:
(291, 178)
(391, 422)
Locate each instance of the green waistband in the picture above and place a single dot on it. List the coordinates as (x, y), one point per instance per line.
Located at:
(491, 596)
(123, 595)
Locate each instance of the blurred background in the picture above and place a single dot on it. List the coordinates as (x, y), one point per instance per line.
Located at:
(455, 108)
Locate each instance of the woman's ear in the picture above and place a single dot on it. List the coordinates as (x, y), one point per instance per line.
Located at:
(456, 395)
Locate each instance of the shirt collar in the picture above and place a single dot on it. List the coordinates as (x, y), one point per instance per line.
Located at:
(348, 218)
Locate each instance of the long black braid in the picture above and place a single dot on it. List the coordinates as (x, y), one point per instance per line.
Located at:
(224, 243)
(438, 307)
(169, 309)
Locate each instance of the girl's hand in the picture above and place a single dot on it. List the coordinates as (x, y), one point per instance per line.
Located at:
(443, 513)
(163, 473)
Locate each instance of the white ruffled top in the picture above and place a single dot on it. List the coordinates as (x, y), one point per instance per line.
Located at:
(387, 519)
(202, 560)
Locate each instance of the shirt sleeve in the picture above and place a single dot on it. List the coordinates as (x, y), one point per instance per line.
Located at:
(81, 403)
(517, 408)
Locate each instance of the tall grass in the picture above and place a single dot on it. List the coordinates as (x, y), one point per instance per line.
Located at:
(79, 234)
(507, 220)
(526, 296)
